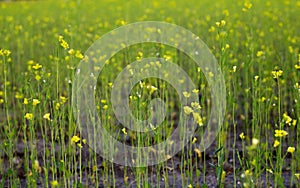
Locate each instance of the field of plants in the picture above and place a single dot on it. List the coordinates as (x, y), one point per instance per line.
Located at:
(256, 45)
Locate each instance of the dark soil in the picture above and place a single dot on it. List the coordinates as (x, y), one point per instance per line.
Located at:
(168, 177)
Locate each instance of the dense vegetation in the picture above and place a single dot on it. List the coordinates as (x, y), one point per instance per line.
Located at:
(255, 42)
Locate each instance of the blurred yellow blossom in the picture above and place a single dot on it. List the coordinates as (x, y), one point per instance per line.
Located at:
(187, 110)
(276, 143)
(280, 133)
(247, 6)
(36, 166)
(195, 105)
(198, 119)
(269, 170)
(63, 43)
(57, 105)
(37, 66)
(287, 119)
(54, 183)
(242, 136)
(198, 152)
(63, 99)
(297, 175)
(291, 149)
(37, 77)
(277, 73)
(78, 54)
(195, 91)
(4, 52)
(35, 102)
(28, 116)
(75, 139)
(25, 101)
(255, 141)
(47, 116)
(186, 94)
(124, 131)
(259, 53)
(194, 140)
(234, 69)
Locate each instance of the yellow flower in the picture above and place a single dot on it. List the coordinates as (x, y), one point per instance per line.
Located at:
(47, 116)
(223, 22)
(190, 186)
(35, 102)
(63, 99)
(287, 119)
(234, 69)
(37, 66)
(36, 166)
(28, 116)
(247, 6)
(297, 67)
(198, 119)
(25, 101)
(19, 95)
(124, 131)
(186, 94)
(291, 150)
(259, 53)
(7, 83)
(78, 54)
(105, 107)
(195, 91)
(63, 43)
(196, 150)
(255, 141)
(71, 51)
(187, 110)
(79, 145)
(269, 170)
(152, 89)
(280, 133)
(248, 173)
(297, 175)
(196, 105)
(139, 56)
(211, 29)
(194, 140)
(37, 77)
(167, 57)
(75, 139)
(277, 73)
(30, 62)
(84, 141)
(294, 122)
(4, 52)
(54, 183)
(57, 105)
(276, 143)
(242, 136)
